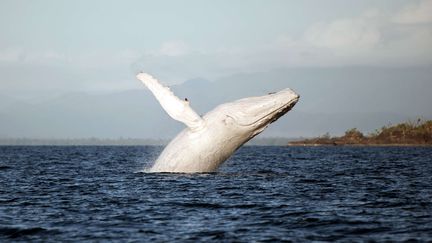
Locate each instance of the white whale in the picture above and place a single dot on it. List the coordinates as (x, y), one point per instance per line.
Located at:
(209, 140)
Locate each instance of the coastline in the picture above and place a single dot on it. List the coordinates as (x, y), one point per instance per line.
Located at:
(355, 145)
(408, 134)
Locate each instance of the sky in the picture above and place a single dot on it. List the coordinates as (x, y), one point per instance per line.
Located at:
(67, 65)
(62, 46)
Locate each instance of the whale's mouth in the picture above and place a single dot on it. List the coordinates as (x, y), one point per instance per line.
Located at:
(269, 117)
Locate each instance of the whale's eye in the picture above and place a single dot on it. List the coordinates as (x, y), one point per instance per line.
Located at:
(229, 120)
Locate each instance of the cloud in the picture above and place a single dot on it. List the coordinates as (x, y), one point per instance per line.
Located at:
(82, 59)
(413, 47)
(173, 48)
(11, 55)
(415, 14)
(345, 34)
(17, 55)
(373, 37)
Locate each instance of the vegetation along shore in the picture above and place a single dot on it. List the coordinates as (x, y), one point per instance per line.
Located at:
(404, 134)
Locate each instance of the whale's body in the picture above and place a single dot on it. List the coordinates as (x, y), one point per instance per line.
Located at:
(209, 140)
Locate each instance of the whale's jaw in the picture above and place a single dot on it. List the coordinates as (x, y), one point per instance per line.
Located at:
(263, 110)
(212, 139)
(250, 116)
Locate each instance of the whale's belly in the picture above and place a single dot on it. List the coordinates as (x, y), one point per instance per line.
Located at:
(192, 152)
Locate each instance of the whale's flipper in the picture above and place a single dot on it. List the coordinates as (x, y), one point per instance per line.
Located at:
(176, 108)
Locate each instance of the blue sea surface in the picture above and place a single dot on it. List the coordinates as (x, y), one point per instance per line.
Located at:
(60, 193)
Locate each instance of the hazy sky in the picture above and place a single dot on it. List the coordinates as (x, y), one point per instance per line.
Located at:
(96, 45)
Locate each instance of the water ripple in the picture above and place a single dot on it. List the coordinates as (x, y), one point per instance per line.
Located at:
(51, 194)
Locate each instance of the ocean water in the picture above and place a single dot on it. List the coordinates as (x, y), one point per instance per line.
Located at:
(260, 194)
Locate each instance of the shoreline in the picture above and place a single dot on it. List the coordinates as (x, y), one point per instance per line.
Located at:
(357, 145)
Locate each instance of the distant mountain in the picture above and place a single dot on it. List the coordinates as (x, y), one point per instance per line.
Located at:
(127, 114)
(332, 100)
(8, 102)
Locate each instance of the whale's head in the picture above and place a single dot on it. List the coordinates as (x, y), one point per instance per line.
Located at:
(252, 115)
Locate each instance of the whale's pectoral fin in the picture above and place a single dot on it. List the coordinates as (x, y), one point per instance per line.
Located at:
(176, 108)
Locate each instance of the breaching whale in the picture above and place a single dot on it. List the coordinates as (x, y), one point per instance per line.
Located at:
(208, 141)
